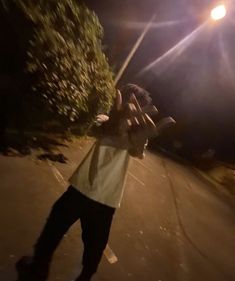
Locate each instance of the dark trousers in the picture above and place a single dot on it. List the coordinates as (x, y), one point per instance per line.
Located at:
(95, 220)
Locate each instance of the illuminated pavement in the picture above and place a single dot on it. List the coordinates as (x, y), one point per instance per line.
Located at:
(170, 227)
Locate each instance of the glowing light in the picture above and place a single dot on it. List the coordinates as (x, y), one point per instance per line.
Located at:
(218, 12)
(172, 54)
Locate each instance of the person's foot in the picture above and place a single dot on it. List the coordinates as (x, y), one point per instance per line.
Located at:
(84, 277)
(23, 267)
(80, 278)
(28, 271)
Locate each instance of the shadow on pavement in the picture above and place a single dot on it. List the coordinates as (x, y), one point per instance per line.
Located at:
(19, 145)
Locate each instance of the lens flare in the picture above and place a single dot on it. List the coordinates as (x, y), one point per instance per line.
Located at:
(175, 52)
(218, 12)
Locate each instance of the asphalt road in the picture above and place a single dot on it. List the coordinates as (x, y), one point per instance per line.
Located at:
(171, 225)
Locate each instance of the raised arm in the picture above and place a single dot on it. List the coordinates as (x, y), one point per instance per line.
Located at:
(130, 125)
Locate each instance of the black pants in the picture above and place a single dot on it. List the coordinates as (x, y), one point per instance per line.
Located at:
(95, 219)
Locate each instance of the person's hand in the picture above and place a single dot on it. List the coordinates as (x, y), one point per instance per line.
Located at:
(133, 124)
(141, 127)
(134, 117)
(123, 117)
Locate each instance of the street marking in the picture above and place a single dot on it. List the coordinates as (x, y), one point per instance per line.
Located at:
(134, 177)
(58, 175)
(109, 254)
(142, 164)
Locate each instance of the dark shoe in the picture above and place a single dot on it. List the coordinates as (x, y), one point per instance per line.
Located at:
(28, 270)
(80, 278)
(23, 267)
(84, 277)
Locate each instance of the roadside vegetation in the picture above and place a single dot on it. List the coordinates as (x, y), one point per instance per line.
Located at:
(54, 75)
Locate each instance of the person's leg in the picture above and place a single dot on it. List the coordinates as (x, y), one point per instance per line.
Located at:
(96, 223)
(64, 213)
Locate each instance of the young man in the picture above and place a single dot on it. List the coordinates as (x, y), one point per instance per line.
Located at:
(97, 185)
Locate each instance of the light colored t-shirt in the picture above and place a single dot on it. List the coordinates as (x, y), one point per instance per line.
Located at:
(101, 175)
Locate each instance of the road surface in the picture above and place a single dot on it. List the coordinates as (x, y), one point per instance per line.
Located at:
(171, 225)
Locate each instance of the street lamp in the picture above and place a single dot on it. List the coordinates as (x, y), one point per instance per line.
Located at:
(218, 12)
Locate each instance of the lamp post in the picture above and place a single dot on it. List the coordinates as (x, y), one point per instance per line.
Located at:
(217, 13)
(134, 49)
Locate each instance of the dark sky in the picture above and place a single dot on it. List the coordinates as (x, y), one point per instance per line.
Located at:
(196, 82)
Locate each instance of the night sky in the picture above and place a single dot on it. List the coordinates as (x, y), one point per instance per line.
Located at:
(195, 83)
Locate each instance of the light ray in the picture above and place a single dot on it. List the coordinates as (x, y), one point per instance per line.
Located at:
(176, 50)
(226, 61)
(232, 21)
(141, 25)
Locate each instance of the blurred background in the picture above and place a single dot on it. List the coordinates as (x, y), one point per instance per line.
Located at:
(61, 63)
(185, 60)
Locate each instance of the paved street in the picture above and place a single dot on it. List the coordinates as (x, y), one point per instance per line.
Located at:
(171, 225)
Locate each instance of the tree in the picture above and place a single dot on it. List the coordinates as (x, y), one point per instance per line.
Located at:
(69, 69)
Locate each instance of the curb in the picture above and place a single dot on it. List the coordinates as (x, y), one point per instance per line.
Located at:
(216, 187)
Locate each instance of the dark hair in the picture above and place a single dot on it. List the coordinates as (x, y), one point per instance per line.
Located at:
(141, 94)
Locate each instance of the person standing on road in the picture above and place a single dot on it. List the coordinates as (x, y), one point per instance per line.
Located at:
(97, 185)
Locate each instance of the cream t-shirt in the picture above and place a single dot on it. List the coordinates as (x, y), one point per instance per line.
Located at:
(101, 175)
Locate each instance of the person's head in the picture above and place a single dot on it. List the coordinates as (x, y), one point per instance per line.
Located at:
(141, 95)
(121, 110)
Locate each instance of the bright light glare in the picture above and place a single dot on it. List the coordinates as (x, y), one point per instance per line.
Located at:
(171, 55)
(218, 12)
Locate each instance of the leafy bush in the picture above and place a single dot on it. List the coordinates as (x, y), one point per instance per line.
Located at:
(65, 56)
